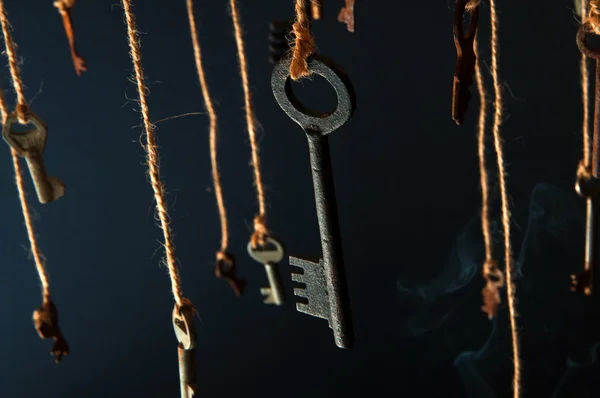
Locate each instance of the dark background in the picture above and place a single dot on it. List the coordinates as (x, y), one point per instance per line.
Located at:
(408, 196)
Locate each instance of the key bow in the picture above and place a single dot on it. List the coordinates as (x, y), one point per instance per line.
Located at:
(314, 122)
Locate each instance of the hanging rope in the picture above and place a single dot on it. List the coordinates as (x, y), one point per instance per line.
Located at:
(505, 211)
(152, 155)
(304, 43)
(212, 116)
(493, 276)
(46, 317)
(260, 221)
(22, 107)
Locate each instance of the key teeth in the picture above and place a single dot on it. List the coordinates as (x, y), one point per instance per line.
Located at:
(305, 308)
(300, 292)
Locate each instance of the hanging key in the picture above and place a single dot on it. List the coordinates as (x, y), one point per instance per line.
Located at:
(270, 255)
(185, 330)
(46, 324)
(465, 61)
(590, 190)
(325, 281)
(30, 145)
(65, 8)
(589, 186)
(225, 269)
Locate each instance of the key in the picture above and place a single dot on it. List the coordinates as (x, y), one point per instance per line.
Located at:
(46, 324)
(325, 280)
(589, 186)
(465, 61)
(270, 255)
(30, 145)
(590, 190)
(225, 269)
(65, 8)
(185, 330)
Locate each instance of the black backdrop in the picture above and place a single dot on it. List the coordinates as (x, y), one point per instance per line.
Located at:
(407, 187)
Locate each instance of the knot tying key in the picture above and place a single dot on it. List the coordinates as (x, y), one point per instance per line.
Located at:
(259, 236)
(491, 292)
(225, 269)
(46, 324)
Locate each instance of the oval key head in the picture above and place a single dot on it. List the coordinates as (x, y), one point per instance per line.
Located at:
(272, 252)
(314, 122)
(27, 141)
(183, 324)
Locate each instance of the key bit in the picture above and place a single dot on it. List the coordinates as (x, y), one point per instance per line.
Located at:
(46, 323)
(30, 145)
(185, 331)
(65, 9)
(314, 290)
(225, 269)
(270, 255)
(465, 62)
(317, 126)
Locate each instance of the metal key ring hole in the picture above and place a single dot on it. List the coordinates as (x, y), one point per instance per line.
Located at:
(582, 41)
(23, 141)
(314, 122)
(271, 252)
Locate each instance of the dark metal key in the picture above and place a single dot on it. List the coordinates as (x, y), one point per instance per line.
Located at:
(588, 185)
(325, 280)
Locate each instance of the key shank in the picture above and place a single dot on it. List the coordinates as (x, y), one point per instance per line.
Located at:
(331, 241)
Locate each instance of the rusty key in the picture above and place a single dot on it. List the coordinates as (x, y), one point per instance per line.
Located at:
(65, 8)
(225, 269)
(30, 145)
(325, 281)
(465, 62)
(185, 331)
(46, 324)
(589, 186)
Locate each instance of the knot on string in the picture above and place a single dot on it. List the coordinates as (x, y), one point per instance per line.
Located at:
(472, 5)
(224, 257)
(303, 45)
(583, 171)
(64, 5)
(593, 18)
(491, 292)
(22, 111)
(259, 237)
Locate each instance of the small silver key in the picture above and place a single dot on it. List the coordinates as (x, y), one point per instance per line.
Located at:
(30, 145)
(185, 330)
(270, 255)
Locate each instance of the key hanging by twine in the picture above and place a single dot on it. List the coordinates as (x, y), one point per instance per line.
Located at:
(65, 8)
(260, 221)
(492, 274)
(505, 210)
(152, 157)
(46, 317)
(303, 45)
(225, 265)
